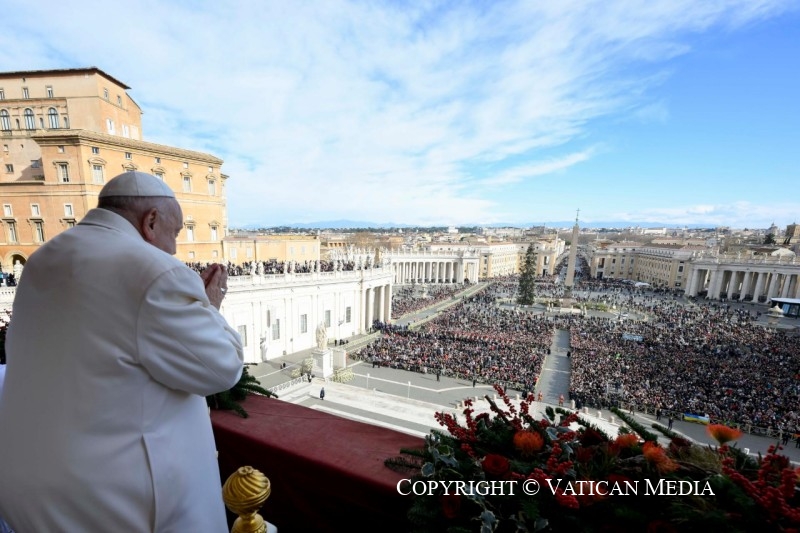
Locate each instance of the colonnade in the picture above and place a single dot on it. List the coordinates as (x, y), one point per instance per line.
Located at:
(377, 305)
(745, 281)
(437, 266)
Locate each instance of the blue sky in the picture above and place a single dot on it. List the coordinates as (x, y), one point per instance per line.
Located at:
(434, 113)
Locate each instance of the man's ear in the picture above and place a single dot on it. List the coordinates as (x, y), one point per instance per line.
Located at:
(148, 223)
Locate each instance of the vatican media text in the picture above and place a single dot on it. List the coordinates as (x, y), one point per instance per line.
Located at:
(531, 487)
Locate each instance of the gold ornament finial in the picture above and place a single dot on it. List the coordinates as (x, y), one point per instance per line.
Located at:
(244, 493)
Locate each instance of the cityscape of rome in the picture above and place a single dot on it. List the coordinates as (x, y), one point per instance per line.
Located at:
(606, 227)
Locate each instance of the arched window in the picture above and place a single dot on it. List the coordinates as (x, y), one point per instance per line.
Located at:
(5, 122)
(30, 124)
(53, 115)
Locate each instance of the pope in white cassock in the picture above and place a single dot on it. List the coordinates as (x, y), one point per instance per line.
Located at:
(112, 346)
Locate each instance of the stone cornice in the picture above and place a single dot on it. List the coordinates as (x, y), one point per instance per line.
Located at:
(53, 137)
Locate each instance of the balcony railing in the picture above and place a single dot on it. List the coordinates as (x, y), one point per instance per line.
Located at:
(326, 473)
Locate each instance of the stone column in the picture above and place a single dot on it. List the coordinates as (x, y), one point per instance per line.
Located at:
(387, 302)
(760, 280)
(746, 281)
(773, 286)
(691, 287)
(381, 296)
(732, 284)
(785, 289)
(713, 290)
(370, 307)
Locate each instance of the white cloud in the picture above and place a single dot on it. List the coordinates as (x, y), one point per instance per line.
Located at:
(373, 110)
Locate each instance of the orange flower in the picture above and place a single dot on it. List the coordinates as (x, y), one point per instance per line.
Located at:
(656, 456)
(627, 440)
(528, 442)
(723, 434)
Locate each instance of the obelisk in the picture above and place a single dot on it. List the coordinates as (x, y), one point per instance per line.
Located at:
(569, 281)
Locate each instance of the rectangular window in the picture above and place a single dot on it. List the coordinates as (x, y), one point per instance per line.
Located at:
(110, 126)
(128, 155)
(233, 253)
(210, 170)
(190, 233)
(327, 318)
(60, 149)
(185, 164)
(119, 100)
(126, 132)
(68, 211)
(2, 94)
(35, 211)
(105, 93)
(25, 93)
(70, 223)
(214, 254)
(243, 334)
(213, 233)
(158, 160)
(276, 329)
(348, 314)
(97, 174)
(63, 173)
(49, 91)
(12, 232)
(187, 184)
(7, 212)
(159, 175)
(39, 227)
(249, 253)
(191, 255)
(95, 150)
(303, 323)
(36, 163)
(212, 187)
(9, 169)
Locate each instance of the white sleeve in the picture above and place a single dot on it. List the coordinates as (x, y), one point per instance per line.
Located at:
(183, 341)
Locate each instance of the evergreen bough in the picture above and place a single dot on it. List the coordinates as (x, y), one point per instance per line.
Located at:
(230, 400)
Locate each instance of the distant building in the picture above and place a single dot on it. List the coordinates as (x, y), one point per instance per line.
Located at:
(64, 133)
(298, 248)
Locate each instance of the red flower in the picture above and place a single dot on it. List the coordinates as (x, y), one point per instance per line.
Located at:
(451, 505)
(590, 437)
(583, 455)
(723, 434)
(495, 465)
(627, 440)
(528, 442)
(657, 457)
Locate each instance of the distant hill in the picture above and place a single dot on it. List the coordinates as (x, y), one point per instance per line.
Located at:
(352, 224)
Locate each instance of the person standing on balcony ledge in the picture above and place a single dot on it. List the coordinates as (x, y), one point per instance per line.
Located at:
(112, 347)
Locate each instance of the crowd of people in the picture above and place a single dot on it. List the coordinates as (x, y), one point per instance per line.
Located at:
(473, 340)
(271, 267)
(704, 358)
(411, 299)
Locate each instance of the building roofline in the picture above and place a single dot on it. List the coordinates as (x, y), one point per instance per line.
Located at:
(54, 136)
(92, 70)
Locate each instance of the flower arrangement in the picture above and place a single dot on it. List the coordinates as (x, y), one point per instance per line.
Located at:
(587, 481)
